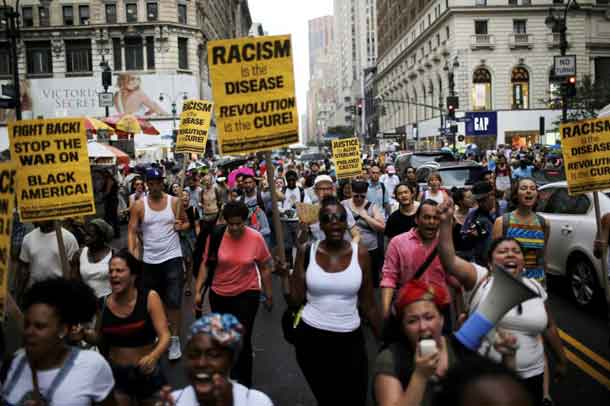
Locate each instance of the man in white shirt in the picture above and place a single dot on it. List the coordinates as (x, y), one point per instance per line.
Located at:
(39, 258)
(293, 194)
(390, 180)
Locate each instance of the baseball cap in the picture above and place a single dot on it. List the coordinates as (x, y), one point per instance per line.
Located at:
(390, 169)
(153, 174)
(481, 190)
(322, 178)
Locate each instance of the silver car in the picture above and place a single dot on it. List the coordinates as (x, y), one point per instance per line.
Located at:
(570, 250)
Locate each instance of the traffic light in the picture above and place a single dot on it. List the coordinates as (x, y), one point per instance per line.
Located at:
(359, 107)
(106, 77)
(452, 105)
(571, 86)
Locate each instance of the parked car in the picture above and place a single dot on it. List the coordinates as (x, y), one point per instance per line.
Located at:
(417, 159)
(461, 175)
(570, 245)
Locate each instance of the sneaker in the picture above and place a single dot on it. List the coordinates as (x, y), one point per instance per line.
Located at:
(174, 349)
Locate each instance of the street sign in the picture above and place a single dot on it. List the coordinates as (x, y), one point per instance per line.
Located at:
(565, 65)
(8, 90)
(106, 99)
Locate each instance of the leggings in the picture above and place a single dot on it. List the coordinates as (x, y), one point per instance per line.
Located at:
(243, 306)
(334, 364)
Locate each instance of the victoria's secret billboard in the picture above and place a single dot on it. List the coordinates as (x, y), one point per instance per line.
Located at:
(133, 94)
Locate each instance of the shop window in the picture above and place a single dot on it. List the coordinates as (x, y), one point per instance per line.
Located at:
(520, 80)
(481, 90)
(78, 56)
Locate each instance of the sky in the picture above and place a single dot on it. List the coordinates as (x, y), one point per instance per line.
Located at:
(290, 17)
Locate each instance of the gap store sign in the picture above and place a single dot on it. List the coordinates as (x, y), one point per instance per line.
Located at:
(481, 123)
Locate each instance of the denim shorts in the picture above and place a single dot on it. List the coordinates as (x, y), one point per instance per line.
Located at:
(132, 382)
(167, 279)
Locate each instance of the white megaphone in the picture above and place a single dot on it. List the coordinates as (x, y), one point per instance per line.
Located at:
(506, 292)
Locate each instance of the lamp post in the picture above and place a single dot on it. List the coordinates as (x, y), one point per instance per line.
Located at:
(13, 34)
(558, 24)
(174, 105)
(450, 68)
(106, 79)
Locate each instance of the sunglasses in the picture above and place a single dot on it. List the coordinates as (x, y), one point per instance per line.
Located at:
(361, 196)
(330, 217)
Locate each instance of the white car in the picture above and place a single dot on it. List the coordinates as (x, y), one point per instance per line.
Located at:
(570, 250)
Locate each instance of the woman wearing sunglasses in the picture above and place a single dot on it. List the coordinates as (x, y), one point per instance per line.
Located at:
(336, 282)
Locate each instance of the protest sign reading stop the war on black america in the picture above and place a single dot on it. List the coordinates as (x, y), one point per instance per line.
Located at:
(53, 173)
(253, 88)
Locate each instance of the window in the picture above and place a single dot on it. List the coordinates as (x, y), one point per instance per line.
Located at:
(152, 11)
(560, 202)
(520, 26)
(27, 16)
(134, 55)
(111, 13)
(602, 71)
(558, 2)
(131, 11)
(39, 60)
(43, 16)
(554, 90)
(182, 13)
(78, 56)
(183, 50)
(5, 60)
(512, 2)
(520, 80)
(83, 14)
(480, 27)
(68, 13)
(116, 53)
(150, 53)
(481, 89)
(481, 2)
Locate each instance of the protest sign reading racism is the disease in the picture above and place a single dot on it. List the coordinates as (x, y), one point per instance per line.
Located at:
(7, 199)
(53, 173)
(253, 88)
(346, 156)
(586, 152)
(194, 125)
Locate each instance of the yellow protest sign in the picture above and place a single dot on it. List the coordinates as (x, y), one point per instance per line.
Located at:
(253, 88)
(194, 125)
(586, 152)
(346, 156)
(7, 200)
(53, 173)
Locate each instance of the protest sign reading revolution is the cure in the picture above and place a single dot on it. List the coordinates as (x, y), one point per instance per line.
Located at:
(194, 125)
(346, 156)
(253, 88)
(53, 173)
(7, 199)
(586, 152)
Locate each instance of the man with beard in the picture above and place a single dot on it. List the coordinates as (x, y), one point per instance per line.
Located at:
(410, 251)
(156, 216)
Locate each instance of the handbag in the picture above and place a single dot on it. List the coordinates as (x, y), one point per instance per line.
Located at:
(291, 317)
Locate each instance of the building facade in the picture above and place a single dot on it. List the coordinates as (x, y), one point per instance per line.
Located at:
(497, 55)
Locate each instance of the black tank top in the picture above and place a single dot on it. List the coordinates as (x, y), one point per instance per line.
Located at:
(135, 330)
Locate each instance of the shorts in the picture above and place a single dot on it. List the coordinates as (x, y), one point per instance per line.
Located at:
(130, 381)
(167, 279)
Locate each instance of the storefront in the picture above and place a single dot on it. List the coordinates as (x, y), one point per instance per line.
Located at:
(519, 139)
(481, 129)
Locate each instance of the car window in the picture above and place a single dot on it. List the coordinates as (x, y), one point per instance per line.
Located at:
(562, 203)
(543, 199)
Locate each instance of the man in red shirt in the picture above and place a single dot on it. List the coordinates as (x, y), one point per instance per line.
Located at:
(408, 251)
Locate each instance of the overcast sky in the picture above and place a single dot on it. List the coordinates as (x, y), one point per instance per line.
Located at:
(290, 17)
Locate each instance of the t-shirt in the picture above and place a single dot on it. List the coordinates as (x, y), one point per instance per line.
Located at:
(89, 380)
(525, 326)
(398, 223)
(41, 252)
(236, 271)
(242, 396)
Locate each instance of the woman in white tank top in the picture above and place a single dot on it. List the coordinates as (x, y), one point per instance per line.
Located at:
(434, 191)
(95, 257)
(330, 346)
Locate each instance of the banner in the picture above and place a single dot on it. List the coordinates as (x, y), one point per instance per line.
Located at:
(253, 89)
(194, 125)
(586, 152)
(53, 173)
(346, 156)
(7, 200)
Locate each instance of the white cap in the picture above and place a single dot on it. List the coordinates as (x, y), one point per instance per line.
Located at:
(322, 178)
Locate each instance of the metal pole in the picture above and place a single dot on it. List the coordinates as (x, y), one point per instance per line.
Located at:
(564, 88)
(12, 31)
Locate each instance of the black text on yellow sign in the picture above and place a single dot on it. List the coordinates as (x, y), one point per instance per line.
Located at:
(7, 199)
(586, 152)
(253, 88)
(194, 126)
(53, 173)
(346, 156)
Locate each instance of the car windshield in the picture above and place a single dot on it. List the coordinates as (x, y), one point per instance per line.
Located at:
(455, 177)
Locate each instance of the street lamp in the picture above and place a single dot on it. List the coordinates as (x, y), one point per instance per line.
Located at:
(106, 78)
(12, 34)
(558, 24)
(451, 79)
(174, 103)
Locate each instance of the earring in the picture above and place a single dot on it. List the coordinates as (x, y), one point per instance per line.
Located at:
(61, 336)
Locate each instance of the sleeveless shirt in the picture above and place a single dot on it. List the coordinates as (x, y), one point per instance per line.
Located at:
(160, 241)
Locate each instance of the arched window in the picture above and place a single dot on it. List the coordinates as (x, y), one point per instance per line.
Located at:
(520, 81)
(554, 100)
(481, 89)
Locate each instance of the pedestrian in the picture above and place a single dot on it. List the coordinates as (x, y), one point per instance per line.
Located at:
(390, 180)
(370, 223)
(195, 192)
(524, 170)
(410, 178)
(330, 346)
(95, 257)
(160, 220)
(402, 219)
(48, 371)
(111, 201)
(345, 190)
(258, 203)
(464, 202)
(530, 321)
(293, 194)
(503, 175)
(187, 240)
(131, 332)
(210, 202)
(477, 229)
(139, 191)
(404, 373)
(236, 286)
(213, 344)
(435, 189)
(377, 192)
